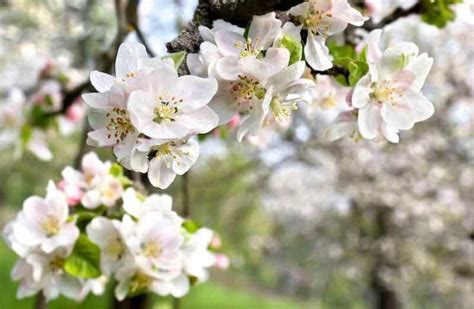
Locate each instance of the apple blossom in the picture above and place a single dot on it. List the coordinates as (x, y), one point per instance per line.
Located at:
(43, 222)
(323, 18)
(139, 206)
(378, 9)
(168, 159)
(196, 257)
(44, 272)
(173, 107)
(389, 98)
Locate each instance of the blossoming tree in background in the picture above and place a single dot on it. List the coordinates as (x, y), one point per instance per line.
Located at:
(97, 225)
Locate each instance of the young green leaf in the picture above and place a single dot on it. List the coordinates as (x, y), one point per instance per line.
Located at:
(84, 261)
(294, 46)
(177, 58)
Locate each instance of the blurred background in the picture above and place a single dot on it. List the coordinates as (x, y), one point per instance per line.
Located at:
(305, 223)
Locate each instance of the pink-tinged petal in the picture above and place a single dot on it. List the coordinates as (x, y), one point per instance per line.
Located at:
(369, 121)
(160, 173)
(361, 93)
(344, 11)
(202, 120)
(300, 9)
(403, 80)
(399, 115)
(316, 52)
(196, 92)
(420, 66)
(128, 57)
(140, 107)
(421, 106)
(264, 30)
(101, 81)
(228, 42)
(391, 134)
(228, 67)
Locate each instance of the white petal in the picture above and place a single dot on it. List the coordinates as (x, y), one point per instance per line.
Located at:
(287, 76)
(228, 42)
(422, 107)
(101, 81)
(202, 120)
(195, 65)
(361, 94)
(160, 173)
(341, 9)
(206, 34)
(186, 157)
(97, 100)
(369, 121)
(316, 52)
(128, 56)
(391, 134)
(131, 203)
(140, 107)
(300, 9)
(420, 66)
(400, 115)
(228, 67)
(373, 46)
(264, 30)
(196, 92)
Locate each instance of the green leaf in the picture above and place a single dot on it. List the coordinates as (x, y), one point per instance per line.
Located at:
(116, 170)
(357, 70)
(294, 46)
(438, 13)
(341, 51)
(190, 226)
(177, 58)
(341, 79)
(38, 118)
(342, 62)
(84, 260)
(25, 135)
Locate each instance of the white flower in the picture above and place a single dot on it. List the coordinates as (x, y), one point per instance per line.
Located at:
(173, 106)
(138, 206)
(203, 63)
(196, 257)
(389, 98)
(168, 158)
(38, 145)
(131, 59)
(323, 18)
(108, 235)
(44, 272)
(238, 51)
(44, 222)
(155, 244)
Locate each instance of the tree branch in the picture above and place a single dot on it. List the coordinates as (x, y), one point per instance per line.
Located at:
(397, 14)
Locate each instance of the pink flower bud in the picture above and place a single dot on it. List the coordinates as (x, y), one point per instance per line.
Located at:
(234, 121)
(73, 193)
(222, 262)
(216, 242)
(75, 112)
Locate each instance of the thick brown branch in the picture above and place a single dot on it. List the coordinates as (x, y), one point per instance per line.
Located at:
(397, 14)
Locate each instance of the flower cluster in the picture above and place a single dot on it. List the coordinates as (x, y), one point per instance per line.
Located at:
(94, 226)
(149, 115)
(388, 99)
(27, 122)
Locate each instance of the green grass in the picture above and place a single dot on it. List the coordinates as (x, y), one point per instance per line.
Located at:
(207, 295)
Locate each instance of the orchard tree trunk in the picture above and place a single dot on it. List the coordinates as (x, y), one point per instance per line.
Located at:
(384, 296)
(137, 302)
